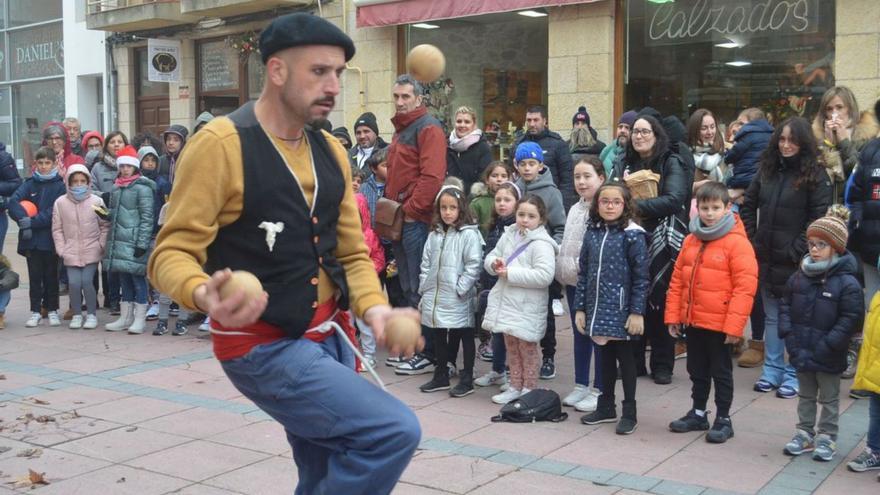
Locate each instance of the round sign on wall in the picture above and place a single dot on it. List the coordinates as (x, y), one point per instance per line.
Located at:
(164, 62)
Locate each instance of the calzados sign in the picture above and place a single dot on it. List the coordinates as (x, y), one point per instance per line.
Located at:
(707, 20)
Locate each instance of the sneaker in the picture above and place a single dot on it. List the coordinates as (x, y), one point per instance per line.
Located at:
(491, 378)
(681, 349)
(452, 369)
(507, 396)
(76, 322)
(763, 386)
(826, 447)
(626, 426)
(589, 403)
(504, 387)
(722, 430)
(370, 360)
(91, 322)
(800, 443)
(435, 385)
(787, 392)
(600, 415)
(173, 309)
(485, 352)
(690, 422)
(558, 310)
(465, 385)
(859, 394)
(579, 393)
(417, 365)
(548, 369)
(662, 377)
(205, 326)
(180, 328)
(161, 328)
(153, 312)
(866, 461)
(54, 319)
(394, 361)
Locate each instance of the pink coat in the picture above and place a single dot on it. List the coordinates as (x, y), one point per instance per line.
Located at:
(79, 234)
(377, 254)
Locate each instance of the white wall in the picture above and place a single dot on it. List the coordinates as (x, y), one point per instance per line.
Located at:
(85, 67)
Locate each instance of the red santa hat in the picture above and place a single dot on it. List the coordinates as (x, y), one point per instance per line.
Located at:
(128, 156)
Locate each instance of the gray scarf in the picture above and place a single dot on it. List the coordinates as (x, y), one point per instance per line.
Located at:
(716, 231)
(818, 268)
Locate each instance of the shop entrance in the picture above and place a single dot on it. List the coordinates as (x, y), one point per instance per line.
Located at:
(151, 99)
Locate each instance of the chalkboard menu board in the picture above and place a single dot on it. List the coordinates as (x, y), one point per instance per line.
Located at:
(219, 67)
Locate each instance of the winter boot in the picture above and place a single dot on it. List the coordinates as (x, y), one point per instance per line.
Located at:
(440, 380)
(605, 412)
(628, 422)
(465, 384)
(126, 318)
(753, 356)
(140, 319)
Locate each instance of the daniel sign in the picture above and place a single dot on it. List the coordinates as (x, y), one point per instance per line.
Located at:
(163, 60)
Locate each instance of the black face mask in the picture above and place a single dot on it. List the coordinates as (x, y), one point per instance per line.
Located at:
(150, 174)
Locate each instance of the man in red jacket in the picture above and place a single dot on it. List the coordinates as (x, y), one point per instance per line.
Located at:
(416, 168)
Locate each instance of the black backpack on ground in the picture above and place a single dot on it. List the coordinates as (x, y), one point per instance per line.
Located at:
(537, 405)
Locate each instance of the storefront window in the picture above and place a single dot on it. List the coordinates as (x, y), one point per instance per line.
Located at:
(256, 72)
(147, 88)
(219, 67)
(34, 104)
(495, 64)
(23, 12)
(727, 55)
(36, 52)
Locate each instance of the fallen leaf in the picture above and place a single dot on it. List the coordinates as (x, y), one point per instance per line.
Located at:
(78, 402)
(40, 401)
(2, 377)
(30, 453)
(45, 419)
(4, 449)
(133, 428)
(37, 478)
(121, 480)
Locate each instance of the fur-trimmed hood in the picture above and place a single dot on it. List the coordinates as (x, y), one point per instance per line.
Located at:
(866, 129)
(479, 189)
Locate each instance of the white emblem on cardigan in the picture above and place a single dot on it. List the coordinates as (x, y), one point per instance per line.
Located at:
(271, 229)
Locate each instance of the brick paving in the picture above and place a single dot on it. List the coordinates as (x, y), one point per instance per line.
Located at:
(115, 413)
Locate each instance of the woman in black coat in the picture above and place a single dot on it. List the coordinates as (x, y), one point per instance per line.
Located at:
(468, 152)
(665, 218)
(791, 190)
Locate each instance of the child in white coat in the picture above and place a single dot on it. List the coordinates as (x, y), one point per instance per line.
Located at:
(449, 272)
(524, 261)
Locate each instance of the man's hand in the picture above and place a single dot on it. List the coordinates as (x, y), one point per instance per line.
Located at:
(674, 330)
(232, 312)
(377, 316)
(580, 322)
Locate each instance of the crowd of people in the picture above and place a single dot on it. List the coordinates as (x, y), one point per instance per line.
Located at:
(677, 239)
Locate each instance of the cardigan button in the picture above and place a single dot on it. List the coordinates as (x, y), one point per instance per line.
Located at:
(315, 220)
(320, 260)
(314, 280)
(314, 304)
(315, 239)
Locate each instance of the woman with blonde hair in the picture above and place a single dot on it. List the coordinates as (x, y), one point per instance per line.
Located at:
(468, 152)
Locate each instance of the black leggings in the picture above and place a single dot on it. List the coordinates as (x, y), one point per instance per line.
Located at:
(446, 341)
(43, 276)
(613, 353)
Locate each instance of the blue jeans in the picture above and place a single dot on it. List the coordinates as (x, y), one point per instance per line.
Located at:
(408, 254)
(347, 435)
(499, 353)
(5, 297)
(776, 370)
(584, 350)
(134, 288)
(874, 423)
(4, 226)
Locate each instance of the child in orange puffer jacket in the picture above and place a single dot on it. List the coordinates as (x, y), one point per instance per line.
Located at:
(710, 299)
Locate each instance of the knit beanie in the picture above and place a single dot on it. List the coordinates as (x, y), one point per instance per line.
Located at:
(529, 149)
(628, 118)
(581, 116)
(147, 150)
(369, 120)
(128, 156)
(832, 228)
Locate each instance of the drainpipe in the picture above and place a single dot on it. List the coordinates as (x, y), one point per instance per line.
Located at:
(112, 90)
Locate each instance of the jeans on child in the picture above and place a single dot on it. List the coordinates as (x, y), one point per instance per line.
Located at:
(134, 287)
(408, 254)
(586, 353)
(776, 370)
(5, 297)
(874, 423)
(347, 435)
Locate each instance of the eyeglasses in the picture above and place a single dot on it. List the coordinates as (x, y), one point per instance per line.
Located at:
(820, 245)
(617, 203)
(642, 132)
(54, 138)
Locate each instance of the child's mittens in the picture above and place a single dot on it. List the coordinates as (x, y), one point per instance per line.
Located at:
(635, 324)
(674, 330)
(24, 226)
(580, 322)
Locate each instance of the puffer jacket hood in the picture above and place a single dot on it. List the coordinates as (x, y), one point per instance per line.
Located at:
(77, 168)
(90, 135)
(545, 187)
(819, 315)
(203, 118)
(517, 303)
(714, 283)
(449, 272)
(178, 130)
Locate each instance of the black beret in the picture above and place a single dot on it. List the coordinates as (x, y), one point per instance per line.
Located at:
(301, 29)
